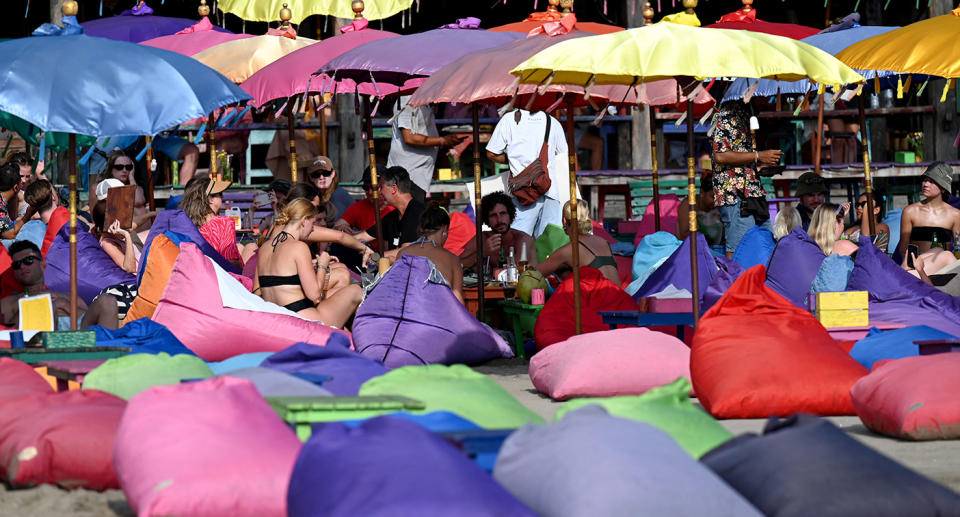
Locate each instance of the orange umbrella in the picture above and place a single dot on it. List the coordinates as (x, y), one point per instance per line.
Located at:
(552, 15)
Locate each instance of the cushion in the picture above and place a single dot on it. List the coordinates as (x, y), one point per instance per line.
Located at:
(807, 466)
(755, 247)
(18, 379)
(676, 270)
(627, 361)
(61, 439)
(159, 261)
(34, 231)
(552, 239)
(178, 221)
(556, 322)
(755, 354)
(390, 466)
(669, 208)
(652, 251)
(878, 345)
(95, 269)
(272, 383)
(793, 266)
(348, 370)
(457, 389)
(913, 398)
(590, 463)
(462, 230)
(193, 307)
(212, 447)
(728, 271)
(143, 336)
(398, 323)
(238, 362)
(58, 219)
(833, 275)
(126, 376)
(667, 408)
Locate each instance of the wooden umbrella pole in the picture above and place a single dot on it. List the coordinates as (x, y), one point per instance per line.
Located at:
(72, 159)
(476, 208)
(575, 223)
(819, 139)
(692, 201)
(656, 170)
(291, 133)
(373, 183)
(149, 157)
(212, 146)
(867, 225)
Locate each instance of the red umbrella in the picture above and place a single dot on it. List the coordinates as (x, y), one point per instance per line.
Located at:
(745, 19)
(535, 20)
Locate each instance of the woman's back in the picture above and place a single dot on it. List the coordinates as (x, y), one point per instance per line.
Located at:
(447, 263)
(595, 252)
(277, 273)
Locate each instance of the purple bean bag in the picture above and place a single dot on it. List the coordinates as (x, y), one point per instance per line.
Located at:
(347, 369)
(412, 318)
(95, 269)
(676, 270)
(728, 272)
(391, 466)
(899, 297)
(793, 266)
(756, 247)
(178, 221)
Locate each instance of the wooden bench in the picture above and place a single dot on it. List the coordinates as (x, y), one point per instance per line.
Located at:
(648, 319)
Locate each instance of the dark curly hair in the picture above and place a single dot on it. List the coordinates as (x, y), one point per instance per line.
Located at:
(497, 198)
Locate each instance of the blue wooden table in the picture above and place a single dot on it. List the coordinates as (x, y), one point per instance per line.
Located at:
(647, 319)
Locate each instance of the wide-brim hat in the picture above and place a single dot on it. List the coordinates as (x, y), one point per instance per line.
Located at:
(941, 174)
(217, 187)
(810, 183)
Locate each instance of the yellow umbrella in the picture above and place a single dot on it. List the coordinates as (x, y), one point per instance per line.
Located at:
(239, 59)
(265, 10)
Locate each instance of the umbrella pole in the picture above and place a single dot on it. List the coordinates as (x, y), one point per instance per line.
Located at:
(575, 223)
(291, 123)
(212, 145)
(323, 132)
(819, 133)
(692, 200)
(476, 209)
(373, 183)
(867, 225)
(656, 172)
(72, 159)
(153, 203)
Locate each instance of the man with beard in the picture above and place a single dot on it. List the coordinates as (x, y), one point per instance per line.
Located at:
(498, 211)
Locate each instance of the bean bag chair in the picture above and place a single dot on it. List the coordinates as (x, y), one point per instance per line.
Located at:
(556, 320)
(18, 379)
(95, 269)
(462, 231)
(34, 231)
(805, 465)
(590, 463)
(216, 317)
(238, 362)
(652, 251)
(552, 239)
(755, 354)
(63, 439)
(627, 361)
(914, 398)
(833, 275)
(178, 221)
(58, 219)
(143, 336)
(728, 271)
(667, 408)
(348, 370)
(159, 262)
(8, 283)
(669, 208)
(399, 323)
(390, 466)
(755, 247)
(793, 266)
(899, 297)
(676, 271)
(272, 383)
(893, 344)
(457, 389)
(250, 266)
(126, 376)
(213, 447)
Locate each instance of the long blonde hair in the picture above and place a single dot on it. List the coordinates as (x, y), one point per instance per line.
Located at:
(823, 226)
(585, 225)
(786, 220)
(295, 210)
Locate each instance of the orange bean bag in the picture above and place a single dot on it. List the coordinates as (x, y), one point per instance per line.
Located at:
(163, 254)
(756, 355)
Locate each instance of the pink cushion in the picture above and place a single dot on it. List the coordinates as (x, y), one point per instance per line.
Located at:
(627, 361)
(191, 307)
(18, 379)
(205, 448)
(913, 398)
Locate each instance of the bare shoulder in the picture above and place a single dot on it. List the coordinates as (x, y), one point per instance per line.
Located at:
(844, 247)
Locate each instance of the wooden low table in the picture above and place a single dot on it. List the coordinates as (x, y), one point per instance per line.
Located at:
(66, 371)
(938, 346)
(522, 317)
(858, 333)
(471, 296)
(33, 355)
(648, 319)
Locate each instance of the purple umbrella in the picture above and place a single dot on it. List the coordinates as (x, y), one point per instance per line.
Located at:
(137, 28)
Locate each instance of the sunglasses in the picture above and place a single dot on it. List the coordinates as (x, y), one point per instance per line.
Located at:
(861, 204)
(25, 261)
(120, 167)
(317, 174)
(367, 186)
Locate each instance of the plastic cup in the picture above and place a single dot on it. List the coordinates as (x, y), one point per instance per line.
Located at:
(16, 339)
(537, 297)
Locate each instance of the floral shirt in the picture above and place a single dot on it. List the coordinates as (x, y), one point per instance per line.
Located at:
(731, 132)
(6, 222)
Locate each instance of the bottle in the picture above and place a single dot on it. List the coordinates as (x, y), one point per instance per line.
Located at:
(512, 274)
(236, 215)
(523, 257)
(935, 243)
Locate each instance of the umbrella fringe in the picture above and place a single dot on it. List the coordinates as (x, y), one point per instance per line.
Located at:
(555, 104)
(588, 88)
(240, 116)
(703, 119)
(282, 107)
(603, 113)
(376, 106)
(633, 86)
(376, 87)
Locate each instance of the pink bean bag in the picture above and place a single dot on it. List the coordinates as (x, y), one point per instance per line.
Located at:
(63, 439)
(18, 379)
(627, 361)
(669, 208)
(212, 447)
(913, 398)
(193, 308)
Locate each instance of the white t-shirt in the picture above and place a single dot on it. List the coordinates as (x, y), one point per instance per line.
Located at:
(522, 141)
(419, 161)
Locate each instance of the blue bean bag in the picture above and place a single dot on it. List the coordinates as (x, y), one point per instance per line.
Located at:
(347, 369)
(805, 465)
(899, 297)
(33, 231)
(238, 362)
(728, 273)
(652, 251)
(272, 383)
(893, 344)
(178, 221)
(143, 336)
(833, 276)
(793, 266)
(411, 317)
(892, 219)
(95, 269)
(756, 247)
(391, 466)
(676, 270)
(591, 464)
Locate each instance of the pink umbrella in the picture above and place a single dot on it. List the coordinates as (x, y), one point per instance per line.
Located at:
(194, 39)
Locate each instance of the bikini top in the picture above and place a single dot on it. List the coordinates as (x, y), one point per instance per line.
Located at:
(274, 280)
(597, 262)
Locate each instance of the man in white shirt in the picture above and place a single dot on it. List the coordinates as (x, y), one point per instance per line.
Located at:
(414, 145)
(517, 140)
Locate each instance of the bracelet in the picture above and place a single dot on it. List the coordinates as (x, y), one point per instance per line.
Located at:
(756, 157)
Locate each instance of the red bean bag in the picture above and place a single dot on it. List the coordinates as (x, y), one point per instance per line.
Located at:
(755, 354)
(8, 283)
(63, 438)
(914, 398)
(556, 322)
(58, 218)
(462, 231)
(18, 379)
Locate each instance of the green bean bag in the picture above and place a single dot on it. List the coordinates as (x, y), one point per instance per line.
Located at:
(552, 239)
(128, 375)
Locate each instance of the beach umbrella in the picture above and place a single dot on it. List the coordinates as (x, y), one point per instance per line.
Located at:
(263, 10)
(745, 19)
(195, 38)
(138, 91)
(137, 24)
(239, 59)
(553, 15)
(650, 53)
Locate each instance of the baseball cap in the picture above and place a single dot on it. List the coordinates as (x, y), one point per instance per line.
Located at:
(320, 163)
(217, 187)
(941, 174)
(105, 186)
(279, 185)
(810, 183)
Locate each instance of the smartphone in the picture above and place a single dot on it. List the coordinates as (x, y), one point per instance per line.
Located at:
(912, 249)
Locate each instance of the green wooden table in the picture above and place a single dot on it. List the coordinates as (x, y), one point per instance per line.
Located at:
(302, 412)
(523, 317)
(31, 355)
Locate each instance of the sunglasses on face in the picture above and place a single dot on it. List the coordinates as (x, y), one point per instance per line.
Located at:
(120, 167)
(317, 174)
(367, 187)
(24, 261)
(861, 204)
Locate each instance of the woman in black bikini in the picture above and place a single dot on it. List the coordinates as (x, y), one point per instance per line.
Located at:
(931, 218)
(594, 251)
(287, 276)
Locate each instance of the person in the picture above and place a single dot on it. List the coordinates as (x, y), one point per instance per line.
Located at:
(786, 220)
(180, 150)
(42, 198)
(287, 274)
(117, 242)
(325, 177)
(498, 211)
(708, 216)
(202, 201)
(360, 215)
(10, 224)
(120, 165)
(434, 229)
(594, 251)
(517, 140)
(812, 192)
(402, 225)
(414, 144)
(881, 234)
(826, 228)
(930, 218)
(736, 184)
(25, 163)
(277, 192)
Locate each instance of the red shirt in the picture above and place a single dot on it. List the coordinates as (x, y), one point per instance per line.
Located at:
(360, 214)
(221, 233)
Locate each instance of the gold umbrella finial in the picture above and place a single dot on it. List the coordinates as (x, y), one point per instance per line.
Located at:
(567, 6)
(285, 15)
(69, 8)
(747, 6)
(552, 5)
(357, 6)
(690, 5)
(204, 9)
(648, 14)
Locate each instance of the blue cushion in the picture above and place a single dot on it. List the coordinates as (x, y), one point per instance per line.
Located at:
(793, 266)
(893, 344)
(755, 248)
